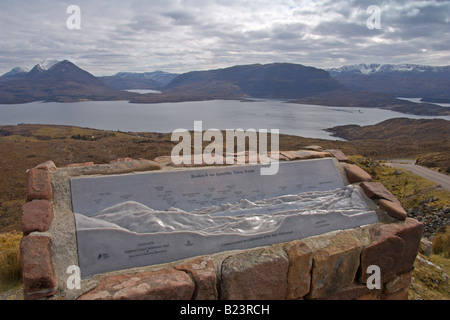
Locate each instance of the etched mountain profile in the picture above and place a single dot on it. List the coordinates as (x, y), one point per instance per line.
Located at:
(242, 217)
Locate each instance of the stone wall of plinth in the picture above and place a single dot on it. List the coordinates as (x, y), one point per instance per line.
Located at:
(335, 265)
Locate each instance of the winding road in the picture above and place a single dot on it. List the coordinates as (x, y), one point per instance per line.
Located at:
(407, 164)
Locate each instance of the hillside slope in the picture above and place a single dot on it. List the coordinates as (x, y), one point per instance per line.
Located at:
(62, 82)
(398, 129)
(277, 80)
(404, 80)
(425, 140)
(148, 80)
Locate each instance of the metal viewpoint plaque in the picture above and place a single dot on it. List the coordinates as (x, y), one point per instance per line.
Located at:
(133, 220)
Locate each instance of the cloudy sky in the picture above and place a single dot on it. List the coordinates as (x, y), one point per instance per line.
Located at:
(185, 35)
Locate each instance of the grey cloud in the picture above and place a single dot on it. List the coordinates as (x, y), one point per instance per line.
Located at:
(181, 17)
(345, 30)
(183, 35)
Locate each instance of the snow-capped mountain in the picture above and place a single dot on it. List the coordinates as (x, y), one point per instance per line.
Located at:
(19, 72)
(47, 64)
(402, 80)
(368, 69)
(42, 67)
(16, 70)
(15, 73)
(55, 81)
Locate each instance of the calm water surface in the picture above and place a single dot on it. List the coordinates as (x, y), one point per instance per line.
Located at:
(295, 119)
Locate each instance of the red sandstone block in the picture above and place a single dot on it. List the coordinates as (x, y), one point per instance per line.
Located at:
(126, 159)
(335, 266)
(394, 209)
(166, 284)
(372, 295)
(411, 234)
(38, 274)
(203, 272)
(277, 156)
(39, 186)
(338, 154)
(399, 295)
(356, 174)
(48, 166)
(393, 248)
(118, 167)
(37, 216)
(254, 275)
(305, 154)
(376, 190)
(313, 147)
(300, 257)
(83, 164)
(163, 159)
(400, 282)
(355, 291)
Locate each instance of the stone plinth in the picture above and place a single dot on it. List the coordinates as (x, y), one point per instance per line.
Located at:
(332, 265)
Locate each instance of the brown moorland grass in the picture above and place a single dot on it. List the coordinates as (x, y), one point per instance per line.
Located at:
(10, 268)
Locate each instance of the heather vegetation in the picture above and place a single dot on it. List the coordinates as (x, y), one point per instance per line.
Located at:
(10, 269)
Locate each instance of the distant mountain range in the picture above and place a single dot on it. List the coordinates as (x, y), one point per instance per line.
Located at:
(403, 80)
(15, 73)
(368, 69)
(61, 81)
(148, 80)
(277, 80)
(348, 86)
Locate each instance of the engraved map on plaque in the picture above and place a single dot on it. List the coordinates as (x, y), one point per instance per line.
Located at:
(133, 220)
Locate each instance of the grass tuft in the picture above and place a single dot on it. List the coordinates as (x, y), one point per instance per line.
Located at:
(441, 244)
(10, 267)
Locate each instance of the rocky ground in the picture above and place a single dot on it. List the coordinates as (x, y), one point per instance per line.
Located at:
(434, 220)
(13, 294)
